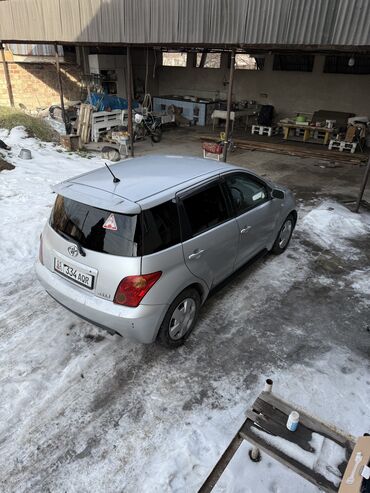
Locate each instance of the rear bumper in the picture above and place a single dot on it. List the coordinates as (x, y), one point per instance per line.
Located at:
(141, 323)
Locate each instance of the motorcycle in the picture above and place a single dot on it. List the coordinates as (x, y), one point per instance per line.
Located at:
(147, 125)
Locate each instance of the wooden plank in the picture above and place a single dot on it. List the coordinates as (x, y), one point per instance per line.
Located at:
(286, 460)
(221, 465)
(80, 119)
(84, 124)
(274, 421)
(292, 150)
(310, 422)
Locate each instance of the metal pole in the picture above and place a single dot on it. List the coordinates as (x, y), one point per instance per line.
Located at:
(363, 186)
(229, 101)
(7, 75)
(60, 87)
(129, 100)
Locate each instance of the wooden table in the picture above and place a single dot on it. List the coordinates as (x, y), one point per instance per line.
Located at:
(308, 129)
(265, 428)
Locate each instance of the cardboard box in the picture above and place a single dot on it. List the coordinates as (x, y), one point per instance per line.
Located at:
(362, 447)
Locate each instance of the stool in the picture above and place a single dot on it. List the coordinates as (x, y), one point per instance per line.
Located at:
(212, 150)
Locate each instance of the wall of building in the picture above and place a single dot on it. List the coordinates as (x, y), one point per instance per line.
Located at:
(288, 92)
(36, 84)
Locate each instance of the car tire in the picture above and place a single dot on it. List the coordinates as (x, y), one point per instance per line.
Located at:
(180, 319)
(284, 236)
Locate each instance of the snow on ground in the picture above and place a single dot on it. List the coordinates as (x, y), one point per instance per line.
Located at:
(326, 392)
(332, 226)
(26, 196)
(82, 411)
(361, 281)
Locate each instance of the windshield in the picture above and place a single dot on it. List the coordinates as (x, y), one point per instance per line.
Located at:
(96, 229)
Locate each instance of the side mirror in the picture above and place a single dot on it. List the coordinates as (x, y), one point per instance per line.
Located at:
(278, 194)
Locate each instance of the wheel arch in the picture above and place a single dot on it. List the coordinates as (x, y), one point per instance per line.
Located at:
(295, 216)
(203, 293)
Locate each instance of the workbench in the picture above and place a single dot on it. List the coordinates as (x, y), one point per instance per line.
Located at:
(218, 115)
(307, 131)
(198, 112)
(316, 450)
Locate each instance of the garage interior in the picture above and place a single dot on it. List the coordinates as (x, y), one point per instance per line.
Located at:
(304, 89)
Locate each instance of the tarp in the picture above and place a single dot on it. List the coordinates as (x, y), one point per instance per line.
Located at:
(102, 102)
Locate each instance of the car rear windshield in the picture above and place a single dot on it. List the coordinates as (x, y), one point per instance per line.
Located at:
(97, 229)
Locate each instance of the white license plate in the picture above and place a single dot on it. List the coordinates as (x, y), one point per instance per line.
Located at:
(76, 275)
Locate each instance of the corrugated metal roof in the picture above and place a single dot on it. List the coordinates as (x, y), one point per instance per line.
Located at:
(326, 23)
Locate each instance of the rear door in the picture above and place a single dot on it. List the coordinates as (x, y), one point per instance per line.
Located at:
(255, 213)
(209, 233)
(91, 247)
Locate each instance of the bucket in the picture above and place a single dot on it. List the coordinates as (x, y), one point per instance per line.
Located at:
(25, 154)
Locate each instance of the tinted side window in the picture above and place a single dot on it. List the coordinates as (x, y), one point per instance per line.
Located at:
(246, 193)
(161, 228)
(205, 209)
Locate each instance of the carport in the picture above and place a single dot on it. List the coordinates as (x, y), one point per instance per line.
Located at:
(299, 57)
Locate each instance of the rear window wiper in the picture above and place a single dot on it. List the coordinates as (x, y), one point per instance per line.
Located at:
(81, 251)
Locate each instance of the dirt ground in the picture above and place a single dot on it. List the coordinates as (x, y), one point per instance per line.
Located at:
(5, 165)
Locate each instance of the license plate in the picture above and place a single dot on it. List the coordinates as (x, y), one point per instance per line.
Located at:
(76, 275)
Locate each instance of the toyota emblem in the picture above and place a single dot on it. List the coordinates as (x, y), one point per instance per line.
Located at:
(73, 251)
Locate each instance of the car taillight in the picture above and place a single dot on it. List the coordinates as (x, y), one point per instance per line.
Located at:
(41, 254)
(132, 289)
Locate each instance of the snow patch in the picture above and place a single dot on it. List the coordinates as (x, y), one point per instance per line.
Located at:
(361, 281)
(332, 226)
(325, 458)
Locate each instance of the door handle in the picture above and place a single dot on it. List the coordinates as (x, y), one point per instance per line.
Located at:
(197, 254)
(245, 230)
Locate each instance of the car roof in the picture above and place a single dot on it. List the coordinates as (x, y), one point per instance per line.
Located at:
(145, 180)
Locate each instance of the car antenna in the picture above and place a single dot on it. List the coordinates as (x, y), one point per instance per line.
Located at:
(115, 179)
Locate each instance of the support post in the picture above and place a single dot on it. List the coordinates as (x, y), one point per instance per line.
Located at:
(129, 100)
(363, 186)
(57, 64)
(229, 101)
(268, 385)
(255, 454)
(7, 75)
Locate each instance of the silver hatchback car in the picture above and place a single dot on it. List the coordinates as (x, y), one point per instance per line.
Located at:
(138, 251)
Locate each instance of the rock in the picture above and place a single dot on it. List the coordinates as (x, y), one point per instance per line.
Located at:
(4, 146)
(110, 153)
(5, 165)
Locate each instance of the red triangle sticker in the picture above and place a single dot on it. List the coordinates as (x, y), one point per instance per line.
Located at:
(110, 223)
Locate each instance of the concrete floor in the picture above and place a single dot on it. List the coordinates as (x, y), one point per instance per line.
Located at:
(323, 311)
(308, 178)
